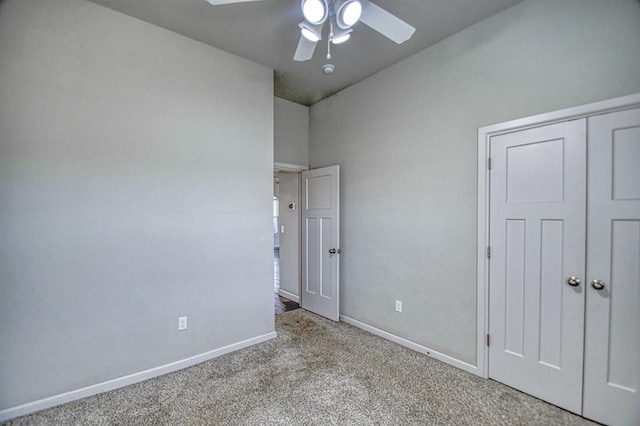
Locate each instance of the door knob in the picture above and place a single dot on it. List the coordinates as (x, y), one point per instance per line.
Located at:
(573, 281)
(334, 251)
(597, 284)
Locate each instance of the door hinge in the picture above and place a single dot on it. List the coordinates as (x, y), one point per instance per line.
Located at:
(489, 163)
(488, 252)
(488, 339)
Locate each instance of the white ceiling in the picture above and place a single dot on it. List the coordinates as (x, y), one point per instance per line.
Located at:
(266, 32)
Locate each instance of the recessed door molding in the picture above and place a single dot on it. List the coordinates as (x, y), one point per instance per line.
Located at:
(484, 137)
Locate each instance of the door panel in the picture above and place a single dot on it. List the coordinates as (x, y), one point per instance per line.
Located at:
(514, 293)
(320, 234)
(622, 366)
(327, 236)
(626, 158)
(311, 272)
(612, 345)
(525, 162)
(537, 239)
(551, 241)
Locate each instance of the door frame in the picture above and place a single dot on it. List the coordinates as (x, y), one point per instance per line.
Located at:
(285, 167)
(295, 168)
(484, 138)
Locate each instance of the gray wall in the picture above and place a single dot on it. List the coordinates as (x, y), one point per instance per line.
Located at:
(291, 133)
(289, 190)
(133, 190)
(406, 139)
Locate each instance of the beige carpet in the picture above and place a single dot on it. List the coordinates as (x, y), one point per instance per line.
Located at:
(315, 373)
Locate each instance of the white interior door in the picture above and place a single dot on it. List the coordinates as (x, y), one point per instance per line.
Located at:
(537, 242)
(612, 347)
(321, 241)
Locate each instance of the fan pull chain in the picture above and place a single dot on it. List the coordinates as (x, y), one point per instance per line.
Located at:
(329, 40)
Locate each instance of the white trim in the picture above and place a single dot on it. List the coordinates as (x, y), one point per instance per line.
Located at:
(482, 264)
(290, 296)
(411, 345)
(285, 167)
(484, 136)
(299, 240)
(130, 379)
(582, 111)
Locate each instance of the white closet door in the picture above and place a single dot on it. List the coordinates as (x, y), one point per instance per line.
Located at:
(537, 238)
(612, 346)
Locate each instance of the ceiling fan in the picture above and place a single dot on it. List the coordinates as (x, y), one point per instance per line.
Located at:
(341, 15)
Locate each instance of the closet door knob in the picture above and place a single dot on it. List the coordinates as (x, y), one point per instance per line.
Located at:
(597, 284)
(573, 281)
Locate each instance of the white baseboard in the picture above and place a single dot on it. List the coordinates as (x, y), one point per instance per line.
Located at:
(289, 296)
(130, 379)
(412, 345)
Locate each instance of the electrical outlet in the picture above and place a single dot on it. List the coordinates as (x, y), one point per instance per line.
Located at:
(398, 306)
(182, 323)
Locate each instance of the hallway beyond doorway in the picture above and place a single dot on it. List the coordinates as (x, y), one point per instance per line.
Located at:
(282, 304)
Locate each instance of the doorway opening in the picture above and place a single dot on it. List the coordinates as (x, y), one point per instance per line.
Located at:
(286, 244)
(311, 197)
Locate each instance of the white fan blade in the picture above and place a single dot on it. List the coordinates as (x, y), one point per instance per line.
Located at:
(385, 23)
(218, 2)
(305, 49)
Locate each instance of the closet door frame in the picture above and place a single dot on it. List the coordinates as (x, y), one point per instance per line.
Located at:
(484, 138)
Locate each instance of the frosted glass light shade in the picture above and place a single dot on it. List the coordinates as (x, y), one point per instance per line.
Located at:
(311, 32)
(309, 35)
(341, 39)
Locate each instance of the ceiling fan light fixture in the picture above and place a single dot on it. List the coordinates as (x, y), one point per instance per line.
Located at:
(309, 35)
(311, 32)
(347, 13)
(341, 39)
(339, 36)
(315, 11)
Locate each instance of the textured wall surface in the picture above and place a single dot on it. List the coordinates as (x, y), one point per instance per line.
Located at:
(406, 140)
(291, 133)
(133, 190)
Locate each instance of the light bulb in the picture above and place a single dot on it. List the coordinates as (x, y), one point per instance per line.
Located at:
(314, 11)
(352, 13)
(348, 13)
